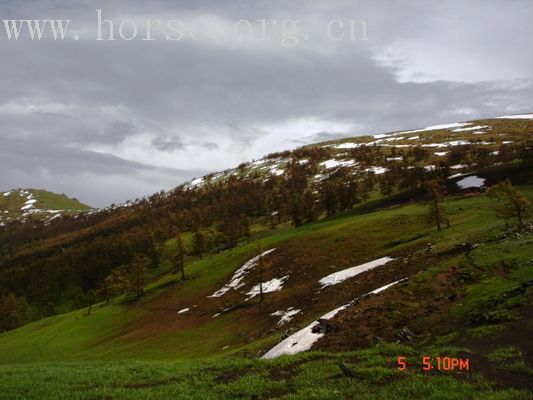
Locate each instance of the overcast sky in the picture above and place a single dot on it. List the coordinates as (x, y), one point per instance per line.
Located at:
(107, 121)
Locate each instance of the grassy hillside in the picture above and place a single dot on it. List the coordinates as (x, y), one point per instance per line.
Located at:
(20, 204)
(465, 291)
(306, 376)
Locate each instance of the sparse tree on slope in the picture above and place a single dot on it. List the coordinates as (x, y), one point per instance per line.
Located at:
(435, 192)
(13, 312)
(198, 243)
(115, 284)
(513, 204)
(179, 263)
(262, 265)
(140, 261)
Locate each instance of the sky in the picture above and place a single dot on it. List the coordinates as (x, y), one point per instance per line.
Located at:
(224, 82)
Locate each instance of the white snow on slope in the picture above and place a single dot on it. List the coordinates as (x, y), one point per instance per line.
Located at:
(456, 175)
(268, 287)
(382, 135)
(197, 181)
(471, 181)
(517, 116)
(304, 339)
(184, 310)
(441, 153)
(458, 166)
(340, 276)
(437, 127)
(349, 145)
(470, 128)
(237, 279)
(275, 170)
(286, 315)
(335, 163)
(377, 170)
(447, 144)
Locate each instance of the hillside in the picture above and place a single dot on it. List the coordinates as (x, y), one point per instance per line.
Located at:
(22, 204)
(341, 239)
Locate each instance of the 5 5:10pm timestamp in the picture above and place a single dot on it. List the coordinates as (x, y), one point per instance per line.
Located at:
(437, 363)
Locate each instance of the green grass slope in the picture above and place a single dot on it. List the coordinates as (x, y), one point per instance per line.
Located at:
(468, 293)
(22, 203)
(150, 328)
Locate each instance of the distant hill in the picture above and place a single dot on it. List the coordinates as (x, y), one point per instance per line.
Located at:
(22, 204)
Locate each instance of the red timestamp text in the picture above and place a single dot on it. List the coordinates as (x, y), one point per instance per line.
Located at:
(436, 363)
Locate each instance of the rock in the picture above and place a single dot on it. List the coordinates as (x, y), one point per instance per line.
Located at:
(346, 370)
(324, 326)
(406, 334)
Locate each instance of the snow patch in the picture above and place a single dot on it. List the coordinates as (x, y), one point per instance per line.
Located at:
(470, 182)
(237, 279)
(347, 146)
(184, 310)
(517, 116)
(448, 144)
(437, 127)
(340, 276)
(273, 285)
(458, 166)
(377, 170)
(382, 135)
(471, 128)
(197, 181)
(286, 315)
(304, 339)
(335, 163)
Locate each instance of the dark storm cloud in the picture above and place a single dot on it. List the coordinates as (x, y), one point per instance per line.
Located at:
(108, 121)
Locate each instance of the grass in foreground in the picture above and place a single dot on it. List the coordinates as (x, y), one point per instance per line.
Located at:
(305, 376)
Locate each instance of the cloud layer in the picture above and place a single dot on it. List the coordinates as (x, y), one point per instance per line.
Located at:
(107, 121)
